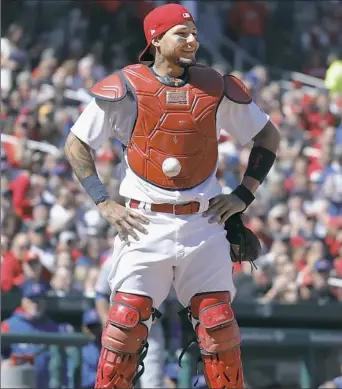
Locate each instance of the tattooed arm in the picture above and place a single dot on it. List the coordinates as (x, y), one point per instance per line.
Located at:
(79, 156)
(123, 219)
(90, 131)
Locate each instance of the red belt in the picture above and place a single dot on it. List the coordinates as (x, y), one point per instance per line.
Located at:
(176, 209)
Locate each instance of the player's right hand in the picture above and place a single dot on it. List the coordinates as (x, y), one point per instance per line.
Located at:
(123, 219)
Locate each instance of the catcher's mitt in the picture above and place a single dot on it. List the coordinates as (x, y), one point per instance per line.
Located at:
(244, 245)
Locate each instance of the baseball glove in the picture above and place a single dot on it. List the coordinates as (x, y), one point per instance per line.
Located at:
(244, 245)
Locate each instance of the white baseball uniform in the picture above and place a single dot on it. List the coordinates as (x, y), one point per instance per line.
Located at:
(185, 251)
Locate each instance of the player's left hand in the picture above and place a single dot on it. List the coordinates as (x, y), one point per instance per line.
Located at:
(223, 206)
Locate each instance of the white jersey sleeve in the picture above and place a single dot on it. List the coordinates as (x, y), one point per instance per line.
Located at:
(93, 126)
(242, 121)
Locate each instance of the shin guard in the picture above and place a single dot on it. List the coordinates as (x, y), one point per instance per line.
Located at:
(219, 340)
(124, 341)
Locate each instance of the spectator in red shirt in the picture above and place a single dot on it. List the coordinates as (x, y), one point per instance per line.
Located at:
(22, 204)
(11, 265)
(317, 116)
(249, 19)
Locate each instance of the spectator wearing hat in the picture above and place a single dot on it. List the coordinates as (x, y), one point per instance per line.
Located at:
(30, 318)
(321, 291)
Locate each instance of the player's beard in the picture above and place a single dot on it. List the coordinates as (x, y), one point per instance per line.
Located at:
(185, 63)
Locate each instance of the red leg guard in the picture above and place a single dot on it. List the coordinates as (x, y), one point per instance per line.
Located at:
(123, 341)
(219, 339)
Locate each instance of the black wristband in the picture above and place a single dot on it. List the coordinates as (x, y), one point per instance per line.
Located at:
(244, 194)
(95, 189)
(260, 162)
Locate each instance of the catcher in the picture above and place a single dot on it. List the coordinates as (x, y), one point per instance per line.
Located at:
(168, 112)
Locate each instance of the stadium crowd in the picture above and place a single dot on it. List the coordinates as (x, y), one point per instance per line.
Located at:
(53, 235)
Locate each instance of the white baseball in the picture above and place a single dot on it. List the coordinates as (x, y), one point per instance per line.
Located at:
(171, 167)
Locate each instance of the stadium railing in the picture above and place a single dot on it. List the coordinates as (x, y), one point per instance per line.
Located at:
(299, 344)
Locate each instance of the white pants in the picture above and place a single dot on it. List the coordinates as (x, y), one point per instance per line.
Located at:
(185, 251)
(154, 361)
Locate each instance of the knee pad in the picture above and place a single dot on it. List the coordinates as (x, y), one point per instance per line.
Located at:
(219, 339)
(217, 329)
(124, 340)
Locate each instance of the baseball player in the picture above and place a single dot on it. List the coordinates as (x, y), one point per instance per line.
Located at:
(167, 112)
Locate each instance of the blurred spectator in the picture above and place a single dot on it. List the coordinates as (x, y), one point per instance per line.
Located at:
(248, 19)
(62, 213)
(91, 326)
(62, 283)
(40, 245)
(28, 318)
(90, 282)
(12, 262)
(64, 259)
(284, 287)
(22, 203)
(92, 252)
(12, 57)
(333, 78)
(251, 285)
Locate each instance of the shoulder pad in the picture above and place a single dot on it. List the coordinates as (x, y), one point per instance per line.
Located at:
(235, 90)
(111, 88)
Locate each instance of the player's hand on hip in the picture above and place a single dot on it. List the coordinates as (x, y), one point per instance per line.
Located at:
(123, 219)
(222, 207)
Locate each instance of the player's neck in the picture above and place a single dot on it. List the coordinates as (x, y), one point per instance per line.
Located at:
(164, 68)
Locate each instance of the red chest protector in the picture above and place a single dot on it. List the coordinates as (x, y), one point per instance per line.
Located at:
(174, 141)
